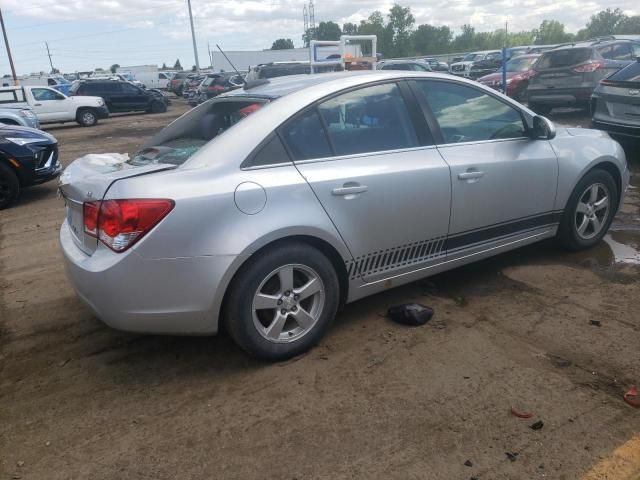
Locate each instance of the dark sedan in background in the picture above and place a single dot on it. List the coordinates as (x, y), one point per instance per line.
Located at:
(615, 103)
(27, 157)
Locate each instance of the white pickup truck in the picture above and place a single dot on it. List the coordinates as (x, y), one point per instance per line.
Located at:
(51, 106)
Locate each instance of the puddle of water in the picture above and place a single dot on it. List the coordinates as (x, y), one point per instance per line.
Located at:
(625, 246)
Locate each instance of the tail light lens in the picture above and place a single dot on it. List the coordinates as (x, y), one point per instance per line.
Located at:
(121, 223)
(588, 67)
(216, 88)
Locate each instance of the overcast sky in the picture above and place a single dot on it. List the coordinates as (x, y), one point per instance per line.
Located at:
(85, 34)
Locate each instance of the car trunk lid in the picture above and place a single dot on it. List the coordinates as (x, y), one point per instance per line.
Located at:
(88, 179)
(564, 68)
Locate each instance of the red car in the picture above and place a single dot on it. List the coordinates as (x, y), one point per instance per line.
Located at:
(519, 70)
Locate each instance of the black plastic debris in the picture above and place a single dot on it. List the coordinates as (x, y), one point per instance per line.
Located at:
(468, 463)
(513, 456)
(412, 314)
(537, 425)
(595, 323)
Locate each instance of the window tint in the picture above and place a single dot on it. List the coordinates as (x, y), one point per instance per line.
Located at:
(130, 89)
(395, 66)
(369, 119)
(51, 81)
(45, 94)
(272, 153)
(630, 73)
(305, 137)
(617, 51)
(636, 50)
(7, 96)
(563, 58)
(466, 114)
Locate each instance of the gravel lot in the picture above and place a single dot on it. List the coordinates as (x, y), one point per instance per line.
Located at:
(373, 400)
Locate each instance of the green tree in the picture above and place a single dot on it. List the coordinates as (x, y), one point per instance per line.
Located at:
(374, 25)
(550, 32)
(328, 31)
(282, 44)
(164, 66)
(349, 29)
(431, 40)
(605, 22)
(114, 67)
(465, 40)
(629, 26)
(177, 66)
(193, 68)
(400, 26)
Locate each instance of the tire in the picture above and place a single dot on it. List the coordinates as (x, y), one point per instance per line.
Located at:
(9, 186)
(87, 117)
(158, 107)
(296, 322)
(578, 231)
(540, 109)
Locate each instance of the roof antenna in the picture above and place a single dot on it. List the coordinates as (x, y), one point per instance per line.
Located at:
(232, 65)
(247, 85)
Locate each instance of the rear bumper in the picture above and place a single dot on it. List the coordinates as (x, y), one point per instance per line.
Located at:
(617, 128)
(136, 294)
(560, 97)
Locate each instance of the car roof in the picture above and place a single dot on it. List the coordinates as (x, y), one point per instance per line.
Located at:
(281, 86)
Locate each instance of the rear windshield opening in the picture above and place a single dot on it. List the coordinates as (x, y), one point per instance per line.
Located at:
(179, 141)
(563, 58)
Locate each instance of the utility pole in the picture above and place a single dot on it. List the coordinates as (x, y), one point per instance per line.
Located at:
(49, 54)
(193, 37)
(6, 44)
(210, 56)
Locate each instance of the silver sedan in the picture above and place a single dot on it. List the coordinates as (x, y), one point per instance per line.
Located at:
(270, 207)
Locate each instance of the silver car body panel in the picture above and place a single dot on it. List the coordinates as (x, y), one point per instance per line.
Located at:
(395, 231)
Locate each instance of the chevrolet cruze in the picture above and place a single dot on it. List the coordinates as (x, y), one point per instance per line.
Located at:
(269, 207)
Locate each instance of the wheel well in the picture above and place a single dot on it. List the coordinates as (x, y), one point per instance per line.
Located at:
(610, 168)
(326, 248)
(8, 121)
(5, 160)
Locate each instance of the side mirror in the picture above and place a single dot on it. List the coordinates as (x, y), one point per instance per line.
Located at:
(543, 128)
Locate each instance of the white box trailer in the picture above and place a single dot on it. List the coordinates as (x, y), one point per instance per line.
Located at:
(148, 75)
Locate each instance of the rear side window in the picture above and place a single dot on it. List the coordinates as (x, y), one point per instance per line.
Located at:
(563, 58)
(465, 114)
(272, 153)
(370, 119)
(617, 51)
(396, 66)
(305, 137)
(8, 96)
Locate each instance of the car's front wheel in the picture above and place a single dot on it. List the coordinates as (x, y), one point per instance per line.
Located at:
(9, 186)
(158, 107)
(589, 211)
(282, 302)
(87, 117)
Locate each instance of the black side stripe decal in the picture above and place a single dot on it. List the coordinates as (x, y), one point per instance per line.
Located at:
(417, 252)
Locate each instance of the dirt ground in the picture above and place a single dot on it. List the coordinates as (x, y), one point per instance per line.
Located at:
(375, 400)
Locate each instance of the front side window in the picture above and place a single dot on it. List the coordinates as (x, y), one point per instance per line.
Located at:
(45, 94)
(130, 89)
(465, 114)
(370, 119)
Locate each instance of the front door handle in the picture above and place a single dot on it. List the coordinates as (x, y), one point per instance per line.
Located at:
(349, 189)
(474, 175)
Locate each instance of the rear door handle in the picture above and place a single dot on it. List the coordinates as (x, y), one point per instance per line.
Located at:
(349, 190)
(470, 175)
(37, 104)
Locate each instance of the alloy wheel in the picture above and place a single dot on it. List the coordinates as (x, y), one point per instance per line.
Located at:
(288, 303)
(592, 211)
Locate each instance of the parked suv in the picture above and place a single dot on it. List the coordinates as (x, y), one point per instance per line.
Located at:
(567, 76)
(486, 63)
(176, 83)
(120, 96)
(615, 103)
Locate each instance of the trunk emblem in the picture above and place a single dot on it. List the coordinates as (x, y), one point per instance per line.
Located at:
(634, 92)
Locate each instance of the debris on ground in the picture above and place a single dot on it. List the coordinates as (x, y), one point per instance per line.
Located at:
(595, 323)
(520, 414)
(513, 456)
(631, 397)
(537, 425)
(468, 463)
(412, 314)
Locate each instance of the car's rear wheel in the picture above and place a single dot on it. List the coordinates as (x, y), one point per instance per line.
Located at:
(589, 211)
(9, 186)
(87, 117)
(282, 302)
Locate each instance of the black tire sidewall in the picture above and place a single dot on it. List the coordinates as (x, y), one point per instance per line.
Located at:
(158, 107)
(14, 185)
(238, 307)
(567, 232)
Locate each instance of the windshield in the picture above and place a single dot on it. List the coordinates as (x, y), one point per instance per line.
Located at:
(469, 57)
(176, 143)
(521, 64)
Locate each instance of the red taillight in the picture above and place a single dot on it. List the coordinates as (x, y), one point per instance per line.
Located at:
(216, 88)
(588, 67)
(121, 223)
